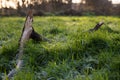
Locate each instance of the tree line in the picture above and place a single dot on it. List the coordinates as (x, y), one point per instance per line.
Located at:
(64, 7)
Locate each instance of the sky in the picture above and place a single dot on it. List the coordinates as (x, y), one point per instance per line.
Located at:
(76, 1)
(113, 1)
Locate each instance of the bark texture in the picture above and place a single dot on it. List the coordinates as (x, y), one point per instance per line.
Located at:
(27, 33)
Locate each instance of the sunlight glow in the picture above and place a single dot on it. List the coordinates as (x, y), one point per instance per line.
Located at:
(116, 1)
(10, 4)
(76, 1)
(113, 1)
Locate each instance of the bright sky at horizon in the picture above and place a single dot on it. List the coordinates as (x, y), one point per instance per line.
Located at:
(113, 1)
(116, 1)
(76, 1)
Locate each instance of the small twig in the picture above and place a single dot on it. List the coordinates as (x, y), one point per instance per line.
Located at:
(96, 27)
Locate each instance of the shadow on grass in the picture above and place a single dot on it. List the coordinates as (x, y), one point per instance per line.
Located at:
(7, 58)
(110, 30)
(38, 56)
(95, 46)
(52, 30)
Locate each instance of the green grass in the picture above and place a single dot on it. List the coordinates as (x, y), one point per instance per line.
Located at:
(73, 53)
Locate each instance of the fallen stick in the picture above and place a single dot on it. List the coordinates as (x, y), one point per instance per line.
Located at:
(98, 25)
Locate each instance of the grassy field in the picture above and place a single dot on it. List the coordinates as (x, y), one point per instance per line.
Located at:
(73, 54)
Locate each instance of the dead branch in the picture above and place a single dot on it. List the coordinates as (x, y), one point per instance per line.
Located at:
(25, 36)
(98, 25)
(14, 71)
(27, 33)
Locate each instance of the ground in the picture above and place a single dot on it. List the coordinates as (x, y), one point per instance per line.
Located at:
(73, 54)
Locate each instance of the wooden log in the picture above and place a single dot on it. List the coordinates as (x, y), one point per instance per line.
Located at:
(27, 33)
(25, 36)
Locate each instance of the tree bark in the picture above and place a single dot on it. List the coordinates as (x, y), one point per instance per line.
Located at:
(27, 33)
